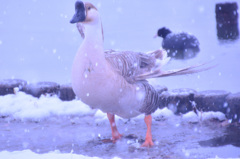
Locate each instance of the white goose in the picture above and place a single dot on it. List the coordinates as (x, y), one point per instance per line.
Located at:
(115, 81)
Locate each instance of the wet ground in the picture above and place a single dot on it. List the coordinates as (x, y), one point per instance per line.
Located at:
(173, 138)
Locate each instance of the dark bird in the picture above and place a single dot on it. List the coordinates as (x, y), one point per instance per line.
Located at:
(179, 45)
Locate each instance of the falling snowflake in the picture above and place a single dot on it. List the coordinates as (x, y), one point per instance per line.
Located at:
(54, 51)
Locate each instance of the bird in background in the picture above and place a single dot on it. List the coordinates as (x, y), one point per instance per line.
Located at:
(180, 45)
(116, 81)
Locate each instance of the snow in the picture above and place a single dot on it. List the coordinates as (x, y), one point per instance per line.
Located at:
(41, 47)
(163, 113)
(42, 113)
(28, 154)
(26, 107)
(213, 115)
(192, 117)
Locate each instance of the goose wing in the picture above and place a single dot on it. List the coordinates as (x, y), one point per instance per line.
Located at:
(131, 64)
(137, 66)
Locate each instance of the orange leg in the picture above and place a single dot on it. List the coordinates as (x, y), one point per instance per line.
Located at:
(115, 134)
(148, 141)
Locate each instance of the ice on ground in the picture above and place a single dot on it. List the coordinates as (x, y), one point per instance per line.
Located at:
(27, 154)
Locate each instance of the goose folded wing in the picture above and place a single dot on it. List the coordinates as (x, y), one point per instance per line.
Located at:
(131, 64)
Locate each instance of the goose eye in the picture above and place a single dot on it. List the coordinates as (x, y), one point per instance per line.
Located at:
(89, 8)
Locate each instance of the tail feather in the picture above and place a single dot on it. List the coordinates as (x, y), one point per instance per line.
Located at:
(184, 71)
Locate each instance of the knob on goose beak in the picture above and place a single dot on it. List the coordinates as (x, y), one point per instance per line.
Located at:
(80, 12)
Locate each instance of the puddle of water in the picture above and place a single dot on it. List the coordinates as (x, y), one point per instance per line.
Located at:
(231, 137)
(172, 139)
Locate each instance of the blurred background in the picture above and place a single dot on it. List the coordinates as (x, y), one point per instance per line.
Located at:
(37, 42)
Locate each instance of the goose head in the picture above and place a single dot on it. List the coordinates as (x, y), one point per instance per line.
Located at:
(86, 14)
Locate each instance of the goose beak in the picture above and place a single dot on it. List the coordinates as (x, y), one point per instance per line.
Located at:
(80, 13)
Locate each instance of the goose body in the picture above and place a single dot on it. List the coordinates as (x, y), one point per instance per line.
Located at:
(99, 81)
(98, 85)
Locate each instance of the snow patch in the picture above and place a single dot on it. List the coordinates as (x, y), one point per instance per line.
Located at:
(22, 106)
(213, 115)
(25, 107)
(27, 154)
(100, 118)
(192, 117)
(162, 113)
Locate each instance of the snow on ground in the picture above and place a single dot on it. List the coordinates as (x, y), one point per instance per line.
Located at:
(40, 127)
(41, 47)
(25, 107)
(27, 154)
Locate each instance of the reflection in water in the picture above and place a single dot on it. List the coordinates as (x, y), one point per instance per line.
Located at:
(231, 137)
(227, 20)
